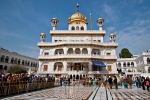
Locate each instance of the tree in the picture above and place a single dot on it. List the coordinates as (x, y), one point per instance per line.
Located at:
(125, 53)
(16, 69)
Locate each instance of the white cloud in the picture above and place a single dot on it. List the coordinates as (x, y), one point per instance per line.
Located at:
(30, 47)
(135, 37)
(16, 35)
(111, 29)
(110, 12)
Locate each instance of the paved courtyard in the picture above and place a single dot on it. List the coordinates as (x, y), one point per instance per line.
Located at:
(57, 93)
(84, 93)
(130, 94)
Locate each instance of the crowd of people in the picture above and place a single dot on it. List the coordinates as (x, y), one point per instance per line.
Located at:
(88, 81)
(128, 82)
(24, 77)
(125, 82)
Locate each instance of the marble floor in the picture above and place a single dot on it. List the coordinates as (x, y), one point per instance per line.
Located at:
(130, 94)
(84, 93)
(58, 93)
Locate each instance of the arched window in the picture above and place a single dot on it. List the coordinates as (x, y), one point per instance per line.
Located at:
(77, 28)
(82, 28)
(132, 64)
(128, 64)
(72, 28)
(124, 64)
(119, 64)
(148, 60)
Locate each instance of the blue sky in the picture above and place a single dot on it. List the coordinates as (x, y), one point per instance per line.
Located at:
(22, 21)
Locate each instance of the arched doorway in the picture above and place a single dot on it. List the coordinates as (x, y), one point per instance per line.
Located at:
(58, 66)
(148, 69)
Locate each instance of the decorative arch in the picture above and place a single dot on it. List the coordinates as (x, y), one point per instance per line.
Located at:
(84, 51)
(22, 62)
(28, 63)
(58, 66)
(82, 28)
(59, 51)
(124, 64)
(148, 69)
(96, 52)
(5, 68)
(132, 64)
(128, 64)
(148, 60)
(19, 61)
(119, 64)
(15, 61)
(7, 59)
(77, 28)
(72, 28)
(31, 64)
(70, 76)
(2, 58)
(70, 51)
(12, 60)
(77, 51)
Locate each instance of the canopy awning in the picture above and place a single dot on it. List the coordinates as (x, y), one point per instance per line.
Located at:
(99, 63)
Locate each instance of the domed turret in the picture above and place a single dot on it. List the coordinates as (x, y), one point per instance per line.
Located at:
(42, 37)
(54, 23)
(100, 23)
(77, 18)
(112, 37)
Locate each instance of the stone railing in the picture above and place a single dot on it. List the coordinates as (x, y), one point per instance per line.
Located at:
(83, 42)
(77, 55)
(77, 31)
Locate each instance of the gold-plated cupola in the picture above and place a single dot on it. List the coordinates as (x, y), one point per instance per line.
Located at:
(77, 18)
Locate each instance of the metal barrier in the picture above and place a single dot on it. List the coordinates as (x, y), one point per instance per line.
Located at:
(8, 88)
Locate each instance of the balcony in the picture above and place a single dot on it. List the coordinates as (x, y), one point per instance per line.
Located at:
(111, 44)
(77, 73)
(54, 32)
(77, 56)
(102, 72)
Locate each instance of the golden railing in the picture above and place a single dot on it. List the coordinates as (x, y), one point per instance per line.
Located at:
(9, 88)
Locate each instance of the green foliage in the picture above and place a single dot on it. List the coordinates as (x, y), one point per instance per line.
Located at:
(16, 69)
(125, 53)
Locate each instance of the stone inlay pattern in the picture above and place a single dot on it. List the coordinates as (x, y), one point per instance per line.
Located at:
(130, 94)
(64, 93)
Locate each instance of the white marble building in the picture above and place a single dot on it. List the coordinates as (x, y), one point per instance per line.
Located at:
(73, 52)
(138, 65)
(8, 58)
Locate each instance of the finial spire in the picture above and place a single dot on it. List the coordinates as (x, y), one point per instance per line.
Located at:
(77, 8)
(91, 20)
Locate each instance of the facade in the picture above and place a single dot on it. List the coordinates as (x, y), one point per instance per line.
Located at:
(8, 59)
(73, 52)
(138, 65)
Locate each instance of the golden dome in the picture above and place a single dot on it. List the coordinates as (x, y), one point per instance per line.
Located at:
(112, 34)
(54, 18)
(43, 34)
(77, 18)
(100, 18)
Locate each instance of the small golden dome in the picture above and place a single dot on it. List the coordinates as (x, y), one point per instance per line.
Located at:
(100, 19)
(43, 34)
(54, 18)
(112, 34)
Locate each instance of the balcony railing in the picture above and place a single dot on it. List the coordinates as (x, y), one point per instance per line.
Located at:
(78, 55)
(78, 72)
(78, 42)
